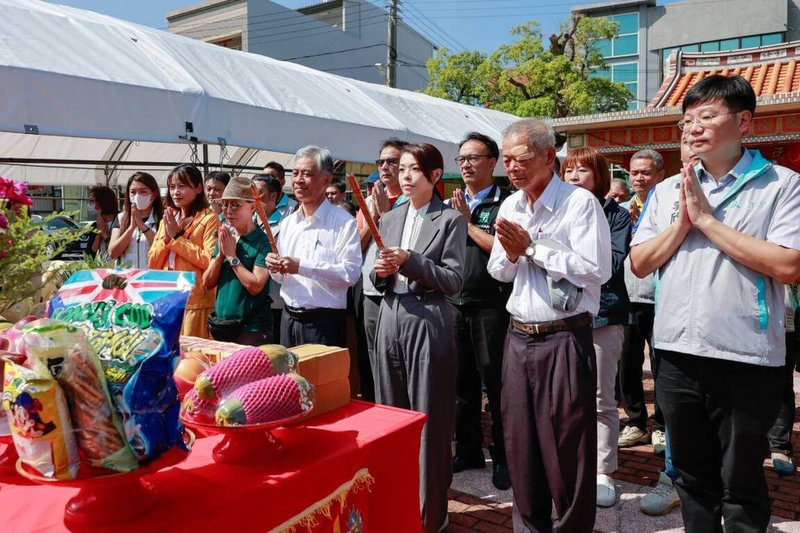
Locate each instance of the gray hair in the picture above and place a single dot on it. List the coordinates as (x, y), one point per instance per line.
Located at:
(652, 155)
(322, 157)
(620, 183)
(539, 135)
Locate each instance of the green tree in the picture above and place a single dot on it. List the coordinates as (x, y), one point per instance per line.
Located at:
(25, 251)
(455, 77)
(529, 77)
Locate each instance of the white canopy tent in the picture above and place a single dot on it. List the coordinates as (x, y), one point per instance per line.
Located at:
(86, 98)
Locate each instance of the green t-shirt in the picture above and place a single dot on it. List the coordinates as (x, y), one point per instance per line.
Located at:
(233, 300)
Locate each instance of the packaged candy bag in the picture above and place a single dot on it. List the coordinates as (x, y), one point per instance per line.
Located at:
(61, 350)
(39, 421)
(132, 319)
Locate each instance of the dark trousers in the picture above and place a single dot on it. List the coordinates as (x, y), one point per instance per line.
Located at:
(718, 413)
(480, 335)
(550, 420)
(276, 325)
(255, 338)
(321, 326)
(630, 368)
(366, 382)
(780, 435)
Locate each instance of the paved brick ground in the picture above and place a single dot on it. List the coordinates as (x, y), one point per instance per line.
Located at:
(636, 465)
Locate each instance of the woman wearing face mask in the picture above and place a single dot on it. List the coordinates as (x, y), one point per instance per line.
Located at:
(185, 240)
(242, 313)
(415, 352)
(103, 208)
(587, 168)
(134, 229)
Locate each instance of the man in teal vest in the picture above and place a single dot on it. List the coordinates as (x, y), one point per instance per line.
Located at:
(723, 238)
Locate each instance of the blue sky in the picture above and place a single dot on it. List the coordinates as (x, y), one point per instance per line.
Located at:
(457, 24)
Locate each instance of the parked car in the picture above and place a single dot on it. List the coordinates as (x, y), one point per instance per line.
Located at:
(75, 249)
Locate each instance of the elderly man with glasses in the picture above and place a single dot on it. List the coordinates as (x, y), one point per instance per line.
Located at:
(319, 257)
(554, 244)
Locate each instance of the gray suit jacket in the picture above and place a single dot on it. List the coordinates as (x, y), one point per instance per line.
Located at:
(437, 258)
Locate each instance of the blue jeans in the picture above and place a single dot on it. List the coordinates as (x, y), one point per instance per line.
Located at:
(668, 468)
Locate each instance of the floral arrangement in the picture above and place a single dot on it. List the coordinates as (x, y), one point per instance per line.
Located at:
(25, 251)
(12, 194)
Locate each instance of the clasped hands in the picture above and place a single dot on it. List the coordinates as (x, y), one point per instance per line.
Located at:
(693, 206)
(227, 242)
(513, 237)
(171, 224)
(390, 260)
(282, 265)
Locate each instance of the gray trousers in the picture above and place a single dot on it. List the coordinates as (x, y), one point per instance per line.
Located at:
(415, 368)
(372, 305)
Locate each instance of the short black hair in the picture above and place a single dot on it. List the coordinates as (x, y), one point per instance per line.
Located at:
(339, 184)
(481, 138)
(272, 183)
(216, 175)
(393, 142)
(734, 91)
(274, 165)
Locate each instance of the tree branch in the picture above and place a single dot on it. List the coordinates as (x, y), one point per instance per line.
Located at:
(521, 86)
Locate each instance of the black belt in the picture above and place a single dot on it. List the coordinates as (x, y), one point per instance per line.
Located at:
(302, 313)
(564, 324)
(416, 294)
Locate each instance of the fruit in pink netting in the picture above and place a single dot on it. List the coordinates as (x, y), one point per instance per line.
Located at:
(244, 366)
(196, 409)
(266, 400)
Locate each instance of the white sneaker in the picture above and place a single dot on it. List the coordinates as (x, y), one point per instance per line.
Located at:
(659, 441)
(662, 499)
(606, 492)
(631, 436)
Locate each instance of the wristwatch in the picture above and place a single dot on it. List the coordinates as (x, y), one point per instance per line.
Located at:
(529, 251)
(234, 261)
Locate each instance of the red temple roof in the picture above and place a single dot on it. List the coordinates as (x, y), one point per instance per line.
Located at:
(771, 70)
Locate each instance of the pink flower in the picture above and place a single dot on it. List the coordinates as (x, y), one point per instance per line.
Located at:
(3, 222)
(14, 191)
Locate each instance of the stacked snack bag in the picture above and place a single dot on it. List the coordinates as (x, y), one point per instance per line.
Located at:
(96, 387)
(254, 385)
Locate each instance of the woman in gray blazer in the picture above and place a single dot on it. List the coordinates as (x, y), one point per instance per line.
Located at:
(414, 342)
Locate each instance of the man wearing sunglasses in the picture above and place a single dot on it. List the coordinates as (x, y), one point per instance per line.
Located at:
(724, 238)
(385, 195)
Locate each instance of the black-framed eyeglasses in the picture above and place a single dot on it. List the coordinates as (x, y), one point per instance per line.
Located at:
(391, 161)
(233, 206)
(472, 158)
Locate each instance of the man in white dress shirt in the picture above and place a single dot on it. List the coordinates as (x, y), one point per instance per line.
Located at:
(320, 257)
(554, 244)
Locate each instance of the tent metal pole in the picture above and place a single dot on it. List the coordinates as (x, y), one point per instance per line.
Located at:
(205, 159)
(95, 162)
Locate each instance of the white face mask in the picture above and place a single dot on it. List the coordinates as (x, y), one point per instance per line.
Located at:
(141, 201)
(91, 211)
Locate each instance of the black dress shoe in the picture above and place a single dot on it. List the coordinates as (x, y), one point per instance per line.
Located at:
(461, 463)
(500, 477)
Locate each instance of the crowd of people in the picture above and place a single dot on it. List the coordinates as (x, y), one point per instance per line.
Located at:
(545, 298)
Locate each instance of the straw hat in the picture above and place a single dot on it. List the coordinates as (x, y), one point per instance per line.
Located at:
(238, 189)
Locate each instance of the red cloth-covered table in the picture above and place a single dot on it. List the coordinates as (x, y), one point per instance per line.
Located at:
(354, 466)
